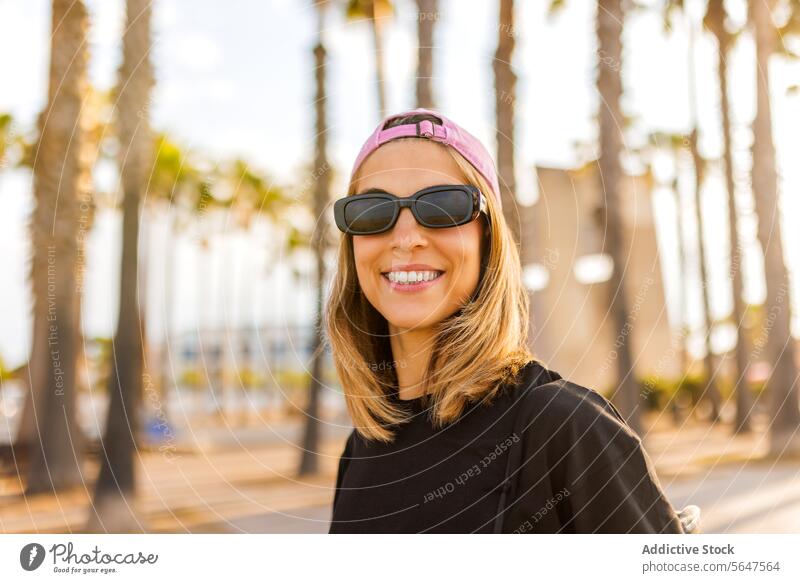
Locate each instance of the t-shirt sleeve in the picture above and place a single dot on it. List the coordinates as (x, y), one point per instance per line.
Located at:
(608, 482)
(622, 495)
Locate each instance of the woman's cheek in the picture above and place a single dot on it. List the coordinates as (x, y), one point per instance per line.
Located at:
(365, 256)
(464, 251)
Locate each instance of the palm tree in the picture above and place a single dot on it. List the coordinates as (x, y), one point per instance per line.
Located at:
(16, 151)
(505, 84)
(519, 218)
(319, 243)
(610, 22)
(176, 187)
(711, 391)
(254, 194)
(60, 183)
(176, 182)
(715, 22)
(23, 153)
(377, 12)
(783, 382)
(114, 495)
(427, 13)
(673, 146)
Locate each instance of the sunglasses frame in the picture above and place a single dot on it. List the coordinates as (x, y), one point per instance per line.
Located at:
(478, 199)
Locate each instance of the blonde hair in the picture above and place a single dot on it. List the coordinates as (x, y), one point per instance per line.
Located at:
(475, 350)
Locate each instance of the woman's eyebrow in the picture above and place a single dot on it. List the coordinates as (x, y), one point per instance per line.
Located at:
(374, 191)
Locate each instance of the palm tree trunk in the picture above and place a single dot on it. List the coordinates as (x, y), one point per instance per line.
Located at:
(311, 438)
(782, 386)
(114, 507)
(376, 20)
(167, 376)
(715, 18)
(60, 180)
(505, 83)
(34, 404)
(710, 392)
(610, 21)
(519, 218)
(427, 14)
(683, 330)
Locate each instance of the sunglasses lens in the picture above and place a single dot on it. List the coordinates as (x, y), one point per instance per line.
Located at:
(445, 208)
(368, 215)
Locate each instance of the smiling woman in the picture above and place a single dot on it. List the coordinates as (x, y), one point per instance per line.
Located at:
(463, 430)
(445, 331)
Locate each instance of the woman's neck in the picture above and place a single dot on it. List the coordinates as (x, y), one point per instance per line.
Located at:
(411, 350)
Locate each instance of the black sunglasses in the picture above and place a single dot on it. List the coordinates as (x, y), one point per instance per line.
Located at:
(435, 207)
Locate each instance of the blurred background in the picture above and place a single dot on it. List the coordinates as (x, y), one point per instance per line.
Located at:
(167, 170)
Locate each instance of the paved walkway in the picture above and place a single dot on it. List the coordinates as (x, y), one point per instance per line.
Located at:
(200, 491)
(743, 498)
(225, 480)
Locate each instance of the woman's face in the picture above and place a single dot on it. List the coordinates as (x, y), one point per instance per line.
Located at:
(452, 255)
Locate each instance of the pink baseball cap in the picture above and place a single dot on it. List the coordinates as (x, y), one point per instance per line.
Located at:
(449, 133)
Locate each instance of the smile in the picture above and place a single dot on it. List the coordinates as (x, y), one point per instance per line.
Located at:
(411, 280)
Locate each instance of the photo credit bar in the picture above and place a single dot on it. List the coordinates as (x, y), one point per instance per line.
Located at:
(351, 558)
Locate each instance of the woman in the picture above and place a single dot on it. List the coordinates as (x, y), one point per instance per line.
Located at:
(457, 427)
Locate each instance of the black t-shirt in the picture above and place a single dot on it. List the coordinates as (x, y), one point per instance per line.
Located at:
(574, 465)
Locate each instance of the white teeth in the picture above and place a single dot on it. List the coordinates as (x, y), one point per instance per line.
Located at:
(407, 277)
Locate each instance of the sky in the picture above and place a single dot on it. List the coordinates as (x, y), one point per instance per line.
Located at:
(237, 80)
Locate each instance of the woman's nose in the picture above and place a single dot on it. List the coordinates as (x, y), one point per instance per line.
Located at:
(407, 231)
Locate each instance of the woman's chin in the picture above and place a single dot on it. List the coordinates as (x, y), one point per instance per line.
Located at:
(412, 321)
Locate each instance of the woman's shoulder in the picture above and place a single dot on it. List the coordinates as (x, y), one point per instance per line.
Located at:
(549, 404)
(575, 441)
